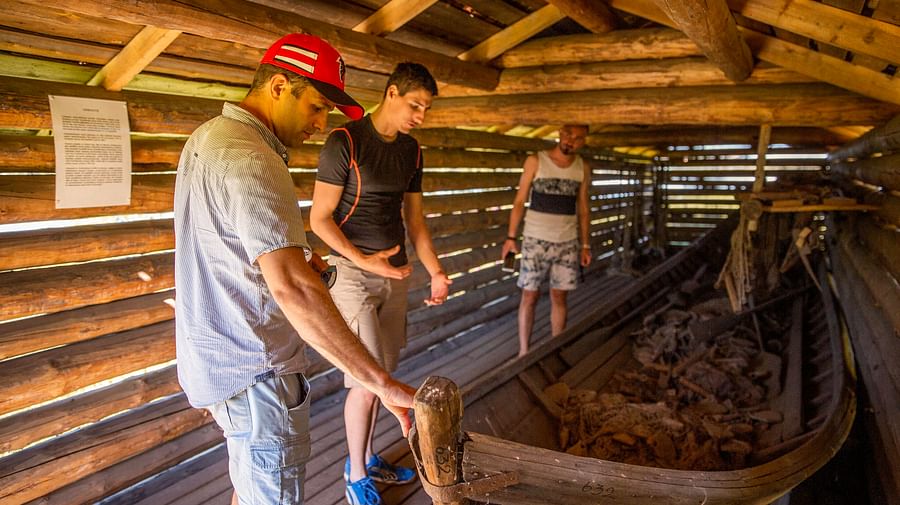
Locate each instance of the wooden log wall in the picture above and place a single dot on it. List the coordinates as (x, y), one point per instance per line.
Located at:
(86, 323)
(864, 251)
(701, 184)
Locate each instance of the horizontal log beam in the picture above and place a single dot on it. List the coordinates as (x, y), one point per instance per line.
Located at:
(84, 243)
(692, 136)
(618, 45)
(32, 198)
(776, 162)
(258, 26)
(35, 472)
(20, 430)
(449, 224)
(460, 138)
(27, 106)
(711, 26)
(621, 75)
(53, 330)
(883, 139)
(881, 171)
(26, 292)
(43, 376)
(36, 153)
(164, 456)
(780, 105)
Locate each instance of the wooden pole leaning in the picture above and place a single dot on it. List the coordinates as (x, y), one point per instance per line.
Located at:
(438, 406)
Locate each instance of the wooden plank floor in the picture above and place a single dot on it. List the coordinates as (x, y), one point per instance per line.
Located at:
(466, 357)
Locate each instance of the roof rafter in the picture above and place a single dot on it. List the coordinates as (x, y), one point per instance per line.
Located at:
(797, 58)
(513, 34)
(134, 57)
(825, 23)
(392, 16)
(591, 14)
(711, 26)
(258, 26)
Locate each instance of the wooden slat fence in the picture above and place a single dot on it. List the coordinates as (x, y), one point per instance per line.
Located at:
(699, 183)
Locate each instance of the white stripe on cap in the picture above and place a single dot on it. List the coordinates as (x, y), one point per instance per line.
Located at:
(305, 52)
(306, 67)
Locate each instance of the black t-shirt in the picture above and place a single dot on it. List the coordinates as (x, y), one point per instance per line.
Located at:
(387, 170)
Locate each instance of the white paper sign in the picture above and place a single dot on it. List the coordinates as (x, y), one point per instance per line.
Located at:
(93, 152)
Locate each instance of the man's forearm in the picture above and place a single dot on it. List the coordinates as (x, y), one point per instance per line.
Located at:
(313, 314)
(328, 231)
(515, 218)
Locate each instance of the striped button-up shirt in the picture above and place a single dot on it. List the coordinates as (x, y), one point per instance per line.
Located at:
(234, 201)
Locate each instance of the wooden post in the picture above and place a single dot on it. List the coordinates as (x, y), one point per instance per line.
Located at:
(439, 409)
(765, 131)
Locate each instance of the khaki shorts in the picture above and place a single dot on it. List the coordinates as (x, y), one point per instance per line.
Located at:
(374, 308)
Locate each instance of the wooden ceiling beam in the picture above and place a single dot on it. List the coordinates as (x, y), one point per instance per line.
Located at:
(618, 45)
(800, 59)
(825, 23)
(392, 16)
(781, 105)
(686, 135)
(862, 80)
(695, 71)
(591, 14)
(711, 26)
(133, 58)
(513, 34)
(258, 26)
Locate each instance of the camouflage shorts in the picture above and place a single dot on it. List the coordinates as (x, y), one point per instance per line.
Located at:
(540, 258)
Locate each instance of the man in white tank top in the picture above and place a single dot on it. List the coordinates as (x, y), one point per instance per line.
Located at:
(556, 237)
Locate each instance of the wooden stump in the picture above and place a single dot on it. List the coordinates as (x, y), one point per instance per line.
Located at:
(438, 406)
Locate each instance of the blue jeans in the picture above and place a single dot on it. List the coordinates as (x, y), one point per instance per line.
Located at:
(267, 434)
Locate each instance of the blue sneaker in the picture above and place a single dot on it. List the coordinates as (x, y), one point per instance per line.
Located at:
(362, 492)
(381, 471)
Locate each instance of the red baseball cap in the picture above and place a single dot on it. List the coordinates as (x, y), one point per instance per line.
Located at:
(315, 59)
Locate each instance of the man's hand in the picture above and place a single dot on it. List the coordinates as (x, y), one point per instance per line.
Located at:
(586, 256)
(397, 397)
(440, 288)
(378, 263)
(508, 245)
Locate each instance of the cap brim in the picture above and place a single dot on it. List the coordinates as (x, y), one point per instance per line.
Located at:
(344, 102)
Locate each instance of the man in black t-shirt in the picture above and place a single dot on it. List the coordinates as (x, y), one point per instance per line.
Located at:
(369, 185)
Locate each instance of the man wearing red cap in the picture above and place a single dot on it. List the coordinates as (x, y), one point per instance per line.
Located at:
(245, 286)
(369, 185)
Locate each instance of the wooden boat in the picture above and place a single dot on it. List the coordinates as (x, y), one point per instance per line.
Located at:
(521, 462)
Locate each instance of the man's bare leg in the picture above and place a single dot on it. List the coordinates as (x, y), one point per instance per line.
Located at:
(526, 318)
(358, 423)
(559, 311)
(369, 449)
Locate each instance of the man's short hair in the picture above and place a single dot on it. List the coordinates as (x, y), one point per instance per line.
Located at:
(409, 76)
(265, 72)
(587, 128)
